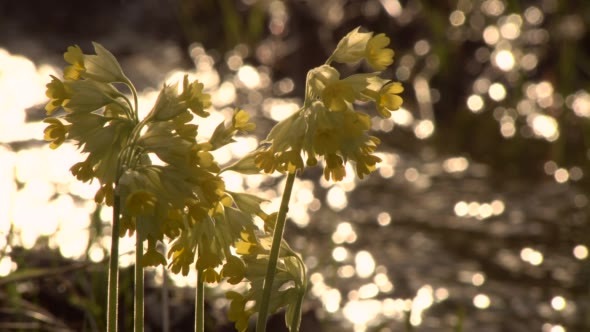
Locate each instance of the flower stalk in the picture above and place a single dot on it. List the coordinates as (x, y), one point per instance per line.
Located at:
(277, 238)
(113, 292)
(200, 303)
(138, 314)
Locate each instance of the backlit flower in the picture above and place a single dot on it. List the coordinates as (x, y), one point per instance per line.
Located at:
(55, 133)
(75, 58)
(351, 47)
(192, 94)
(334, 168)
(82, 171)
(378, 56)
(152, 257)
(58, 93)
(140, 202)
(240, 121)
(389, 99)
(234, 269)
(211, 276)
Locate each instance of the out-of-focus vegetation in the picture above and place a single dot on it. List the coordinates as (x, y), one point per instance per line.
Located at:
(477, 220)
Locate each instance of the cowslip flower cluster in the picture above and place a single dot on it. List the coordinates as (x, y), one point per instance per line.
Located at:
(328, 126)
(182, 196)
(289, 286)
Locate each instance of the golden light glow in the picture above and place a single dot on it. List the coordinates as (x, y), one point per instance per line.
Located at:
(580, 252)
(481, 301)
(344, 233)
(475, 103)
(424, 129)
(558, 303)
(364, 264)
(383, 219)
(544, 126)
(457, 18)
(339, 254)
(504, 60)
(491, 35)
(531, 256)
(497, 92)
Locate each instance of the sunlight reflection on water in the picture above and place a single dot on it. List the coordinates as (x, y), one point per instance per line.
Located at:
(35, 205)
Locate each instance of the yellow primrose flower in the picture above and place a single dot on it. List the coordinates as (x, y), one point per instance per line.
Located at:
(240, 121)
(207, 258)
(211, 276)
(265, 160)
(351, 47)
(206, 160)
(234, 269)
(152, 257)
(105, 193)
(75, 58)
(379, 57)
(236, 312)
(388, 99)
(55, 133)
(58, 93)
(168, 105)
(338, 95)
(127, 226)
(289, 161)
(320, 77)
(365, 164)
(192, 94)
(82, 171)
(103, 67)
(173, 223)
(182, 257)
(334, 168)
(140, 202)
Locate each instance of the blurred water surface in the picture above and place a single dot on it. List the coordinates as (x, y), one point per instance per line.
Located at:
(477, 218)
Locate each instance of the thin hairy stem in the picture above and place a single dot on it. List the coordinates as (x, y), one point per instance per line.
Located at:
(138, 281)
(277, 238)
(113, 294)
(200, 303)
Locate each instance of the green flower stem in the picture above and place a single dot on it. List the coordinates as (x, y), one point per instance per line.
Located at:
(138, 282)
(200, 303)
(277, 238)
(112, 296)
(297, 317)
(165, 304)
(135, 101)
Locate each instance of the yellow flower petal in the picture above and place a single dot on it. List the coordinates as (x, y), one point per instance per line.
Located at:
(379, 57)
(75, 58)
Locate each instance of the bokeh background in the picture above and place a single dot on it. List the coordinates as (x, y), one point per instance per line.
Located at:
(476, 220)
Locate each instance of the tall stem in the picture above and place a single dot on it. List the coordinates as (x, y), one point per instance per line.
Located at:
(165, 304)
(277, 238)
(112, 295)
(200, 303)
(138, 281)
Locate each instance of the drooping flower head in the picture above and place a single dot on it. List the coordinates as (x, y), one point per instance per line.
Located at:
(328, 126)
(183, 197)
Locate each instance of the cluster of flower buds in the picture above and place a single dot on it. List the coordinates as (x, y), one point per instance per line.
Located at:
(181, 197)
(327, 125)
